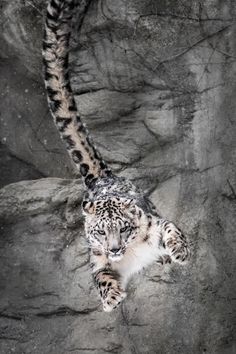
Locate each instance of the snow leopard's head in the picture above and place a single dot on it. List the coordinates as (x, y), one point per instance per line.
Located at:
(112, 225)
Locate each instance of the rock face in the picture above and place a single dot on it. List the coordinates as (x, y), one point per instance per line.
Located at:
(156, 85)
(48, 302)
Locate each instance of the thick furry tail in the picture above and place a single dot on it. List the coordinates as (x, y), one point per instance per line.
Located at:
(59, 93)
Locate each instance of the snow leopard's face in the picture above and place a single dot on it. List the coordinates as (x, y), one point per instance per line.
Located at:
(112, 225)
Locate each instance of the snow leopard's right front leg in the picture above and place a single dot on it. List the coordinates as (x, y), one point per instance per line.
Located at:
(174, 241)
(108, 282)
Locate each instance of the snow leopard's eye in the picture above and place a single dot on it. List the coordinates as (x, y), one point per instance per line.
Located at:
(123, 229)
(101, 232)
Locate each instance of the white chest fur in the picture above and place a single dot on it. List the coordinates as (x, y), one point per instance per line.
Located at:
(140, 255)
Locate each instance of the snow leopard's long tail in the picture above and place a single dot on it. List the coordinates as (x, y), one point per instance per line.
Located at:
(59, 93)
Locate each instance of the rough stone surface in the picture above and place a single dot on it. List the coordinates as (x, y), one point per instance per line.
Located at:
(155, 83)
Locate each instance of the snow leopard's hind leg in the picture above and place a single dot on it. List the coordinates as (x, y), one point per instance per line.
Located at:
(174, 242)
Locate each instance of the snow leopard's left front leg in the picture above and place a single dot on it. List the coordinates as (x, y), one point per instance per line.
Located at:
(108, 282)
(174, 241)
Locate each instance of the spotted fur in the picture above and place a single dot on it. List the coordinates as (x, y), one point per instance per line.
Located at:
(60, 97)
(123, 229)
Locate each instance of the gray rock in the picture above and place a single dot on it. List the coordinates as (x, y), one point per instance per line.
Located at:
(48, 302)
(155, 84)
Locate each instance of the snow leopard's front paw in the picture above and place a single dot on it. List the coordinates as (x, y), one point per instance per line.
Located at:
(113, 300)
(176, 243)
(111, 294)
(179, 251)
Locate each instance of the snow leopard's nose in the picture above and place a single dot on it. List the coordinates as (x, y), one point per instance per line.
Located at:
(115, 250)
(115, 254)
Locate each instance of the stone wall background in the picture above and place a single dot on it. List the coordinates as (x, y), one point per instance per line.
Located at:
(155, 83)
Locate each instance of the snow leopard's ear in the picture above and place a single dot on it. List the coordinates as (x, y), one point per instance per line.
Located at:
(130, 206)
(88, 207)
(127, 202)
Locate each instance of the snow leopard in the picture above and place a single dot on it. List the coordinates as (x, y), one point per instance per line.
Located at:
(123, 229)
